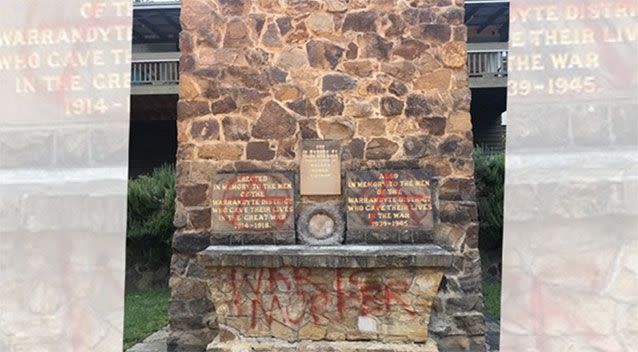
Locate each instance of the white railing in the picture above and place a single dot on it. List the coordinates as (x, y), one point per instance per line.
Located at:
(155, 69)
(155, 73)
(150, 4)
(487, 60)
(481, 2)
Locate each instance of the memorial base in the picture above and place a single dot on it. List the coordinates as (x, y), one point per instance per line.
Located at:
(269, 344)
(340, 298)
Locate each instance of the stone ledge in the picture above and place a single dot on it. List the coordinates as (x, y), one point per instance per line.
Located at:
(346, 256)
(269, 344)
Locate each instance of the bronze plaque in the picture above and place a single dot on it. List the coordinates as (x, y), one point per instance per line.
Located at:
(256, 203)
(388, 202)
(320, 167)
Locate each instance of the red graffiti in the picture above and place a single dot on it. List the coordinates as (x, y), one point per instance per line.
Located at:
(292, 297)
(341, 296)
(376, 297)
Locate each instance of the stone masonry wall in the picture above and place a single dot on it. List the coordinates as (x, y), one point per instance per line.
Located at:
(385, 77)
(381, 304)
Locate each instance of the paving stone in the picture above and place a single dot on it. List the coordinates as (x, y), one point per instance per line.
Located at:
(156, 342)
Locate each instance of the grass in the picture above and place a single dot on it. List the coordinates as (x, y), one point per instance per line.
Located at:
(144, 313)
(492, 297)
(491, 286)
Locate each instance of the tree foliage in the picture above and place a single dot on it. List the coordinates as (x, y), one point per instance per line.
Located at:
(151, 205)
(489, 173)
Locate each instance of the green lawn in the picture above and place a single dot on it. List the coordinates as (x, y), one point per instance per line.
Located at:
(144, 313)
(492, 297)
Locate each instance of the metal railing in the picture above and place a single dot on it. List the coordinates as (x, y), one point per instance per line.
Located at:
(155, 73)
(481, 2)
(487, 60)
(150, 4)
(155, 69)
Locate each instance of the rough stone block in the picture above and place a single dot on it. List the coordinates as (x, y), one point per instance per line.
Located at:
(72, 148)
(26, 148)
(383, 304)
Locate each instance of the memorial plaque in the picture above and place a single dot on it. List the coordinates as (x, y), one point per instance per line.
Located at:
(389, 204)
(257, 204)
(320, 167)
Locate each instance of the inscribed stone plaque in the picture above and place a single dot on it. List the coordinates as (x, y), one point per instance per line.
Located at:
(320, 167)
(260, 205)
(389, 205)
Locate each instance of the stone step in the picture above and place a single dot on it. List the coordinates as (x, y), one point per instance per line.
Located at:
(268, 344)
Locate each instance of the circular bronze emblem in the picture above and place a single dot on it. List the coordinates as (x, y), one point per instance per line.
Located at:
(321, 224)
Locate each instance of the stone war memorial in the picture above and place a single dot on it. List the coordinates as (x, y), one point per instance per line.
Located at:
(325, 191)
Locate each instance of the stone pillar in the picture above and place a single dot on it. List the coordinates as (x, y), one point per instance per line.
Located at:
(385, 78)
